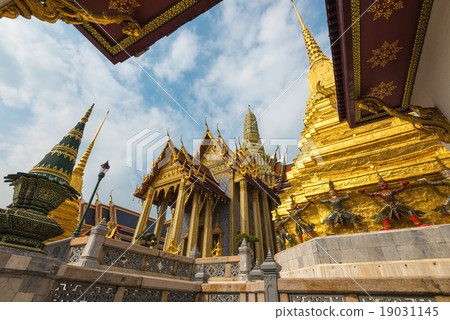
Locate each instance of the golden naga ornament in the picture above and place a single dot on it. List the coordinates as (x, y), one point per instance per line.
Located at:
(428, 120)
(69, 12)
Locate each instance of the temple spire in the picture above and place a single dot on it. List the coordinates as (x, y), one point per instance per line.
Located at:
(313, 49)
(78, 172)
(251, 133)
(58, 164)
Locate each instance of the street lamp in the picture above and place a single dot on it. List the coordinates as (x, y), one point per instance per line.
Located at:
(103, 170)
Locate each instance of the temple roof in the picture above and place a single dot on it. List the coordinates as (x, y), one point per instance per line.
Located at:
(194, 172)
(376, 49)
(157, 18)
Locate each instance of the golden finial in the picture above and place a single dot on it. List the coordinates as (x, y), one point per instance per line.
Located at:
(217, 127)
(313, 49)
(110, 196)
(206, 124)
(79, 169)
(299, 16)
(249, 110)
(168, 133)
(182, 144)
(88, 113)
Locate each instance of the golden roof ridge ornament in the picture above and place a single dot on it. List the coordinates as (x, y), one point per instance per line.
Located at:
(217, 127)
(206, 124)
(313, 49)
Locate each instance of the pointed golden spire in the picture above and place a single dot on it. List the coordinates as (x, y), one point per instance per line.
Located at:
(82, 164)
(78, 172)
(314, 51)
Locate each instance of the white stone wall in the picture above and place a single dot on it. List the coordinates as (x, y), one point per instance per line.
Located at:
(423, 251)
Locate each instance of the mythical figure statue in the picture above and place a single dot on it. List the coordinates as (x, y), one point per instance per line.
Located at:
(393, 207)
(281, 233)
(445, 205)
(217, 251)
(113, 229)
(338, 213)
(301, 225)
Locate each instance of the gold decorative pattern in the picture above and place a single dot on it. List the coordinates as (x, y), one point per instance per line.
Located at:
(69, 12)
(356, 45)
(117, 47)
(126, 6)
(387, 52)
(383, 90)
(384, 8)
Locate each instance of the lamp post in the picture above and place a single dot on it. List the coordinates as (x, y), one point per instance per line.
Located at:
(103, 170)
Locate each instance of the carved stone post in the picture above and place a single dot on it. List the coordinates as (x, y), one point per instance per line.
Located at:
(245, 261)
(256, 273)
(89, 257)
(271, 270)
(202, 275)
(194, 254)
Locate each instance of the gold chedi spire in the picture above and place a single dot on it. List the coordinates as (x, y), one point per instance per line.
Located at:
(313, 49)
(321, 68)
(78, 172)
(335, 156)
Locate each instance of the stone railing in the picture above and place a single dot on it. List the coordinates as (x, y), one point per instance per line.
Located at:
(118, 254)
(104, 253)
(407, 289)
(220, 268)
(98, 269)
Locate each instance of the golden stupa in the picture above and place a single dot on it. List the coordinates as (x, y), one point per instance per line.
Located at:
(330, 149)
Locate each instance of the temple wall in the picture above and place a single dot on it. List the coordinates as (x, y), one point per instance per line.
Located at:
(144, 274)
(224, 222)
(396, 253)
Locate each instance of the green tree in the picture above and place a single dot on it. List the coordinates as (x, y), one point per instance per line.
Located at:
(250, 239)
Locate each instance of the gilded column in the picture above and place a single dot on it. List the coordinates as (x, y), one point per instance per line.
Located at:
(232, 217)
(193, 225)
(207, 229)
(257, 226)
(161, 219)
(143, 218)
(268, 235)
(167, 240)
(178, 216)
(244, 206)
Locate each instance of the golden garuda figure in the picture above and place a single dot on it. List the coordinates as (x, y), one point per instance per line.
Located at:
(301, 225)
(392, 207)
(338, 213)
(445, 205)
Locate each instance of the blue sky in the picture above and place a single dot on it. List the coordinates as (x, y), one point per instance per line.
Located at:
(239, 53)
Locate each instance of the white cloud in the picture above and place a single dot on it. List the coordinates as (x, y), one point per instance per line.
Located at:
(249, 53)
(180, 57)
